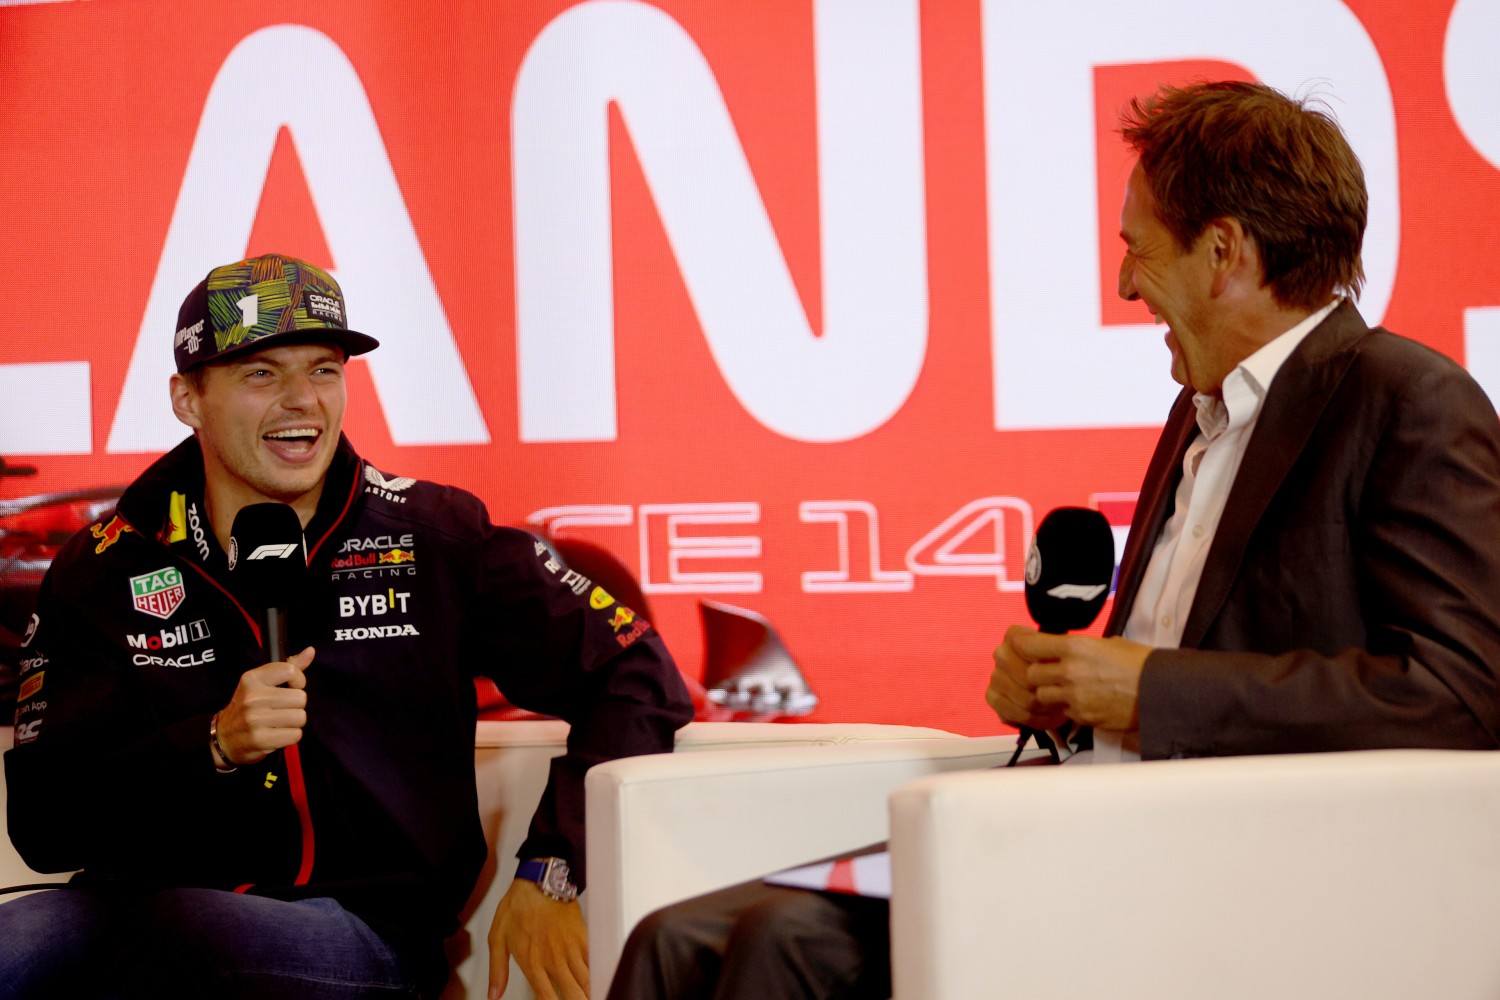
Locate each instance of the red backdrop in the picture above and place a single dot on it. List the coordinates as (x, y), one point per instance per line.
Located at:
(846, 270)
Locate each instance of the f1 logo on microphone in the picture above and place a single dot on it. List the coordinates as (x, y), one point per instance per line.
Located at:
(1077, 591)
(274, 551)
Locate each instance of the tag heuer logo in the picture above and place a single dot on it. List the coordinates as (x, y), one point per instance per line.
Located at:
(158, 593)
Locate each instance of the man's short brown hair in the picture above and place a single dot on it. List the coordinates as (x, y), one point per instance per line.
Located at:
(1283, 169)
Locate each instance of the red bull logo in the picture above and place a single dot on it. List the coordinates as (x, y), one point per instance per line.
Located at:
(396, 557)
(623, 616)
(108, 533)
(636, 631)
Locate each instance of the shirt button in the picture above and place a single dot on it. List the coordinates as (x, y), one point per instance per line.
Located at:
(1197, 531)
(1166, 621)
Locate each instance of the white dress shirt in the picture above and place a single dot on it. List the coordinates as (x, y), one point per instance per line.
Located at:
(1225, 424)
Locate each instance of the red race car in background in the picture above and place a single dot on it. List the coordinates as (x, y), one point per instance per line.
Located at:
(32, 529)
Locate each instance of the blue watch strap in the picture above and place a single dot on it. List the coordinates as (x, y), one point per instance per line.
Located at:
(532, 871)
(550, 875)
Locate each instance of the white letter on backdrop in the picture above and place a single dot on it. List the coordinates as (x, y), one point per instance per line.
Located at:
(1055, 365)
(833, 387)
(1472, 77)
(264, 84)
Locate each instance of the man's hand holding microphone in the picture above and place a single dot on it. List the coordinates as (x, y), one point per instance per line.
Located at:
(268, 711)
(1044, 677)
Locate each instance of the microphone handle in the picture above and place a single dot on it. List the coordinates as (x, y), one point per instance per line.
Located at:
(273, 633)
(1060, 742)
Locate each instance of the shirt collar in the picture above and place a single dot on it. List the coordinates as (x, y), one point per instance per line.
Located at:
(1245, 388)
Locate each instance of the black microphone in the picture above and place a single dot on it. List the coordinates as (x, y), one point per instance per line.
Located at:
(268, 563)
(1069, 569)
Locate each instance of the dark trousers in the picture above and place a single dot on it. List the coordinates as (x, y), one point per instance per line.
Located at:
(72, 943)
(758, 942)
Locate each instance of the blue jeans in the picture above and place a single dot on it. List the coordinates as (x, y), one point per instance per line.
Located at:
(103, 942)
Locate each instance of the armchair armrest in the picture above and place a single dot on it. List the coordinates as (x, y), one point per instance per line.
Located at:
(1371, 875)
(665, 828)
(14, 871)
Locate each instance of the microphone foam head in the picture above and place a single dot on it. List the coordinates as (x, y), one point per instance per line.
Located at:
(267, 555)
(1069, 569)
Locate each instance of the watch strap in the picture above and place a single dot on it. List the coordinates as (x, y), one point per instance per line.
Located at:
(533, 871)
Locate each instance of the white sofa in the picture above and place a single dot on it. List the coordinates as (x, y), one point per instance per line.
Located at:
(668, 827)
(1373, 875)
(511, 761)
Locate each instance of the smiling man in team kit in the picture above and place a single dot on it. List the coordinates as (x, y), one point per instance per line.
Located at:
(307, 826)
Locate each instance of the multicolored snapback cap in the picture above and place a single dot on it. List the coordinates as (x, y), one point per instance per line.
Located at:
(245, 306)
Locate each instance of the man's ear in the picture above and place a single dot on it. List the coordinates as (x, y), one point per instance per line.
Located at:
(1231, 253)
(186, 402)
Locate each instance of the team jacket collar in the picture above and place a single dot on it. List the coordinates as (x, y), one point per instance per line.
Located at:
(166, 503)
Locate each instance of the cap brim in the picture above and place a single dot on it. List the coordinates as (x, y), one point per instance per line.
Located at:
(350, 341)
(355, 343)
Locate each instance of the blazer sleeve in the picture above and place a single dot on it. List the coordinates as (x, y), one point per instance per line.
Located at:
(1417, 604)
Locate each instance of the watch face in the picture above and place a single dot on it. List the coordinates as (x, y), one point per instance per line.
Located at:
(555, 880)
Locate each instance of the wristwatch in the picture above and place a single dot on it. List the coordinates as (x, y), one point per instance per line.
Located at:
(551, 876)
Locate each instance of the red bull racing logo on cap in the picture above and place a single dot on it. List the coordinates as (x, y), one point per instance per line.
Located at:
(321, 305)
(158, 593)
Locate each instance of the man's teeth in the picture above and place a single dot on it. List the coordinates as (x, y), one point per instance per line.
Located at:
(293, 435)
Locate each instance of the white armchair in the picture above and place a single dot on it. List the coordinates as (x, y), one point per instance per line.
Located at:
(1372, 875)
(669, 827)
(511, 762)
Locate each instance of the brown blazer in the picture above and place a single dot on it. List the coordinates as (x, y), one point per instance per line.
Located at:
(1351, 597)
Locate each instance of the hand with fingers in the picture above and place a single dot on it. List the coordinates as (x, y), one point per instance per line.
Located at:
(1010, 694)
(1041, 679)
(548, 939)
(267, 712)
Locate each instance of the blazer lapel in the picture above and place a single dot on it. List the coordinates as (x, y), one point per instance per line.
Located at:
(1291, 410)
(1153, 507)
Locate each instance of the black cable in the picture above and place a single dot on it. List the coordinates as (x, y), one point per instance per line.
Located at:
(4, 890)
